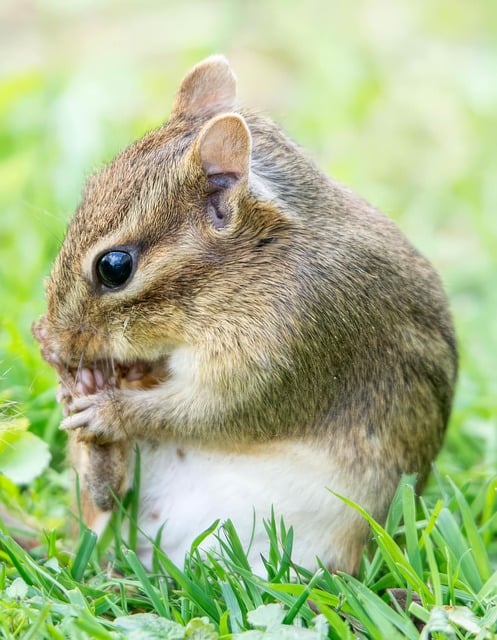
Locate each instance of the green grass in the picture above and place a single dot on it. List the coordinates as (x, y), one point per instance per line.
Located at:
(433, 571)
(399, 101)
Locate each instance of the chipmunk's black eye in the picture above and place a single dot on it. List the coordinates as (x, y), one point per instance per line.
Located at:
(114, 268)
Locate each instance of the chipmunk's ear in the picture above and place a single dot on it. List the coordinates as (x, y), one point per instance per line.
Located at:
(209, 88)
(222, 151)
(223, 147)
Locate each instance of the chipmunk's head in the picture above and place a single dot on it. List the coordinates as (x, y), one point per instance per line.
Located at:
(168, 235)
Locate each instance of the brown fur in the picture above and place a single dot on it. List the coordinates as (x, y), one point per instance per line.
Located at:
(316, 319)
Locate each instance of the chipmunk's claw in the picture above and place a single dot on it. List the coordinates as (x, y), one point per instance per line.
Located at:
(96, 417)
(80, 419)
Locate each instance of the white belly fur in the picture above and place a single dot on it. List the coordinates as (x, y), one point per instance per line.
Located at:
(186, 489)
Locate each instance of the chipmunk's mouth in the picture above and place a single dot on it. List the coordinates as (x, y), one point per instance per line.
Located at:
(111, 374)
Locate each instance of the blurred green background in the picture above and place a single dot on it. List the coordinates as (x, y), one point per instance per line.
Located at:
(396, 99)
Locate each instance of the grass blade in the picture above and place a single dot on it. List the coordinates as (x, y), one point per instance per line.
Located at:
(478, 550)
(459, 548)
(152, 592)
(232, 605)
(410, 527)
(86, 547)
(392, 554)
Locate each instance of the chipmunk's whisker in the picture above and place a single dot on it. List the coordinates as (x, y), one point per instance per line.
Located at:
(79, 368)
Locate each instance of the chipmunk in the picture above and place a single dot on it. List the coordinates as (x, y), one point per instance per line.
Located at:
(262, 334)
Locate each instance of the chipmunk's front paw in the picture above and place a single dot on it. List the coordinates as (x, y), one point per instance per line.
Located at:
(97, 418)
